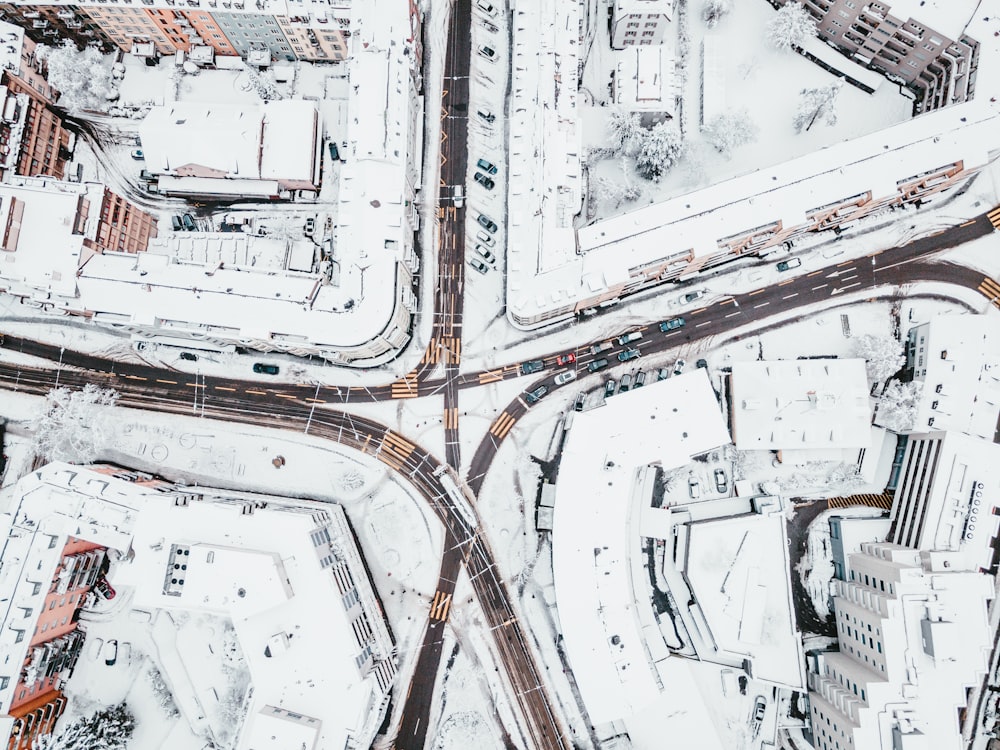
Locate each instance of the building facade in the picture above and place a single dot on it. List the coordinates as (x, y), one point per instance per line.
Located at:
(912, 637)
(33, 139)
(640, 22)
(47, 24)
(121, 226)
(938, 63)
(254, 31)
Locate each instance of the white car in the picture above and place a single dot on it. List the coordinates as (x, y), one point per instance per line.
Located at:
(694, 488)
(565, 377)
(486, 8)
(485, 254)
(488, 52)
(485, 238)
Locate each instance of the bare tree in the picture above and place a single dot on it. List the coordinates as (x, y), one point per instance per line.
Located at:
(72, 426)
(714, 11)
(817, 105)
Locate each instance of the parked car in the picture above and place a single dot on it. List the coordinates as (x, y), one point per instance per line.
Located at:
(486, 166)
(692, 296)
(487, 223)
(137, 154)
(485, 238)
(759, 709)
(628, 354)
(188, 221)
(670, 325)
(702, 363)
(175, 222)
(663, 373)
(535, 395)
(488, 52)
(535, 365)
(111, 652)
(790, 263)
(679, 366)
(597, 364)
(189, 356)
(104, 589)
(626, 381)
(485, 114)
(483, 180)
(602, 347)
(262, 369)
(609, 388)
(490, 27)
(486, 254)
(721, 484)
(640, 380)
(478, 265)
(96, 646)
(565, 359)
(310, 228)
(694, 487)
(564, 377)
(628, 338)
(486, 8)
(334, 151)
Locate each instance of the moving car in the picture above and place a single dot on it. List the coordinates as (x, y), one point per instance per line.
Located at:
(483, 180)
(486, 254)
(486, 166)
(188, 221)
(679, 366)
(628, 338)
(262, 369)
(670, 325)
(535, 395)
(692, 296)
(458, 196)
(566, 359)
(720, 480)
(597, 364)
(602, 347)
(488, 52)
(790, 263)
(628, 354)
(565, 377)
(485, 238)
(137, 154)
(478, 265)
(535, 365)
(486, 223)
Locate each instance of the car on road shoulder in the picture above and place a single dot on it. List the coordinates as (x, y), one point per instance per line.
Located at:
(790, 263)
(478, 265)
(694, 488)
(137, 154)
(486, 254)
(628, 354)
(535, 395)
(672, 324)
(483, 180)
(679, 366)
(566, 359)
(488, 52)
(597, 364)
(565, 377)
(692, 296)
(487, 223)
(188, 221)
(533, 366)
(609, 388)
(485, 238)
(721, 484)
(264, 369)
(486, 166)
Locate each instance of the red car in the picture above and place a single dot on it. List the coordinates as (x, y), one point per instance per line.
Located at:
(565, 359)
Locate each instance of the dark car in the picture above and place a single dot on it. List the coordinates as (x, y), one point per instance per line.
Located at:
(628, 354)
(566, 359)
(702, 363)
(790, 263)
(483, 180)
(111, 652)
(626, 382)
(535, 365)
(597, 364)
(670, 325)
(189, 224)
(662, 374)
(535, 395)
(175, 222)
(189, 356)
(263, 369)
(581, 398)
(486, 223)
(334, 151)
(640, 380)
(486, 166)
(609, 388)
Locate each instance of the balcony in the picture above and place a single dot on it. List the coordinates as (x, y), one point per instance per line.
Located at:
(40, 24)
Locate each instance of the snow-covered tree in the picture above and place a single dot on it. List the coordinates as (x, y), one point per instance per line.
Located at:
(817, 104)
(613, 192)
(625, 131)
(660, 148)
(83, 78)
(108, 729)
(730, 130)
(897, 406)
(883, 355)
(714, 11)
(263, 84)
(791, 26)
(72, 426)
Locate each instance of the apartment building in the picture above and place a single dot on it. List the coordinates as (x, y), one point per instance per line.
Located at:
(957, 359)
(947, 496)
(49, 23)
(920, 43)
(254, 31)
(641, 22)
(912, 637)
(121, 226)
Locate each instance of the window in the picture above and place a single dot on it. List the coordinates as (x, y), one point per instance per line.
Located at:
(18, 636)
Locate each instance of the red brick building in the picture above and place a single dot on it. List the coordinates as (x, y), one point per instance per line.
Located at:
(122, 227)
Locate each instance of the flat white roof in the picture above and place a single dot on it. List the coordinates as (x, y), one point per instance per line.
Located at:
(800, 404)
(645, 79)
(595, 532)
(948, 17)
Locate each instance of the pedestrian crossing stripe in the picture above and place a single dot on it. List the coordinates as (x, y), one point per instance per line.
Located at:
(441, 606)
(502, 425)
(394, 450)
(451, 418)
(405, 387)
(883, 501)
(490, 377)
(994, 217)
(991, 290)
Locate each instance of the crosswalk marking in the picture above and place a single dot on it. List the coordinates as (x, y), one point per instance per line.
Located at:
(490, 377)
(394, 450)
(994, 217)
(441, 606)
(883, 501)
(405, 387)
(502, 425)
(451, 418)
(991, 290)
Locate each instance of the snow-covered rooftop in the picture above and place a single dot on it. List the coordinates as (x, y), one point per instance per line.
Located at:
(601, 591)
(948, 17)
(11, 39)
(804, 403)
(644, 80)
